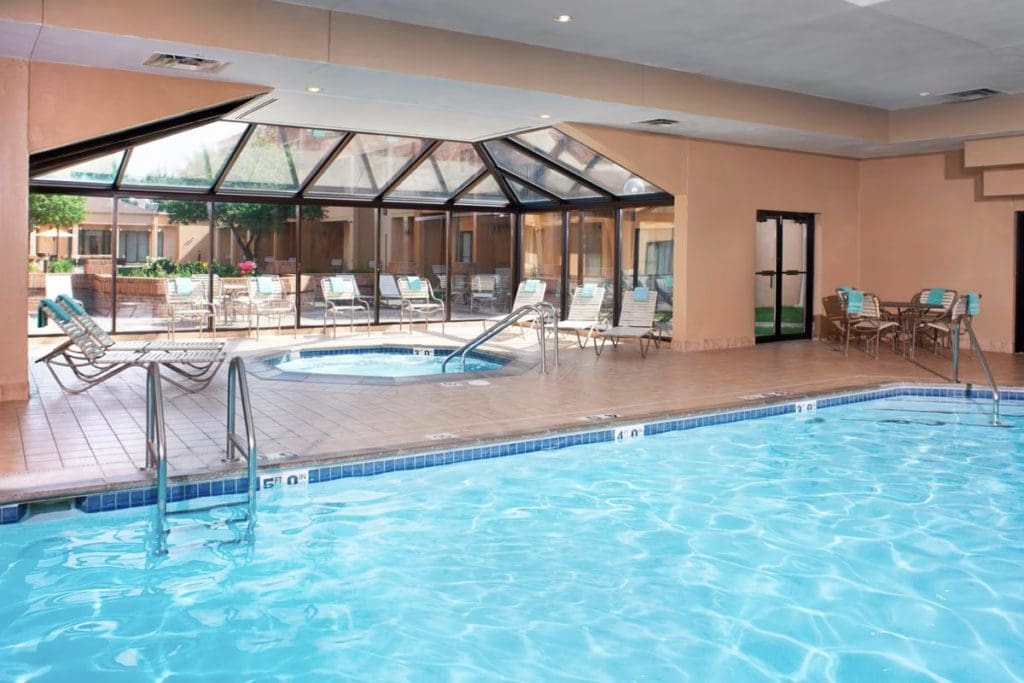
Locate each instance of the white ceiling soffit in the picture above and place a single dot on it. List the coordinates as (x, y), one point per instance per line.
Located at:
(17, 38)
(882, 55)
(402, 104)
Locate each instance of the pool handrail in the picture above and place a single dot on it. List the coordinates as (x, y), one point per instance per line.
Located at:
(982, 361)
(542, 310)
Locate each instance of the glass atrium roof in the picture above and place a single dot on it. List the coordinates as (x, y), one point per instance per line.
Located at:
(235, 161)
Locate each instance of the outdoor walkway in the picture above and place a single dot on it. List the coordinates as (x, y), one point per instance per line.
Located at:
(57, 444)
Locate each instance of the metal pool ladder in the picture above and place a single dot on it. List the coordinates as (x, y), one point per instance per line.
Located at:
(542, 310)
(980, 355)
(156, 449)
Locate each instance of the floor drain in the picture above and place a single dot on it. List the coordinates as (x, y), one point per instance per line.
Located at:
(442, 435)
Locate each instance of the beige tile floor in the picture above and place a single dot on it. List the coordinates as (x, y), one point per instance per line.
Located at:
(57, 444)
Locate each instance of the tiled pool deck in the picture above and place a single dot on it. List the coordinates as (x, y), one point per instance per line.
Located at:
(57, 445)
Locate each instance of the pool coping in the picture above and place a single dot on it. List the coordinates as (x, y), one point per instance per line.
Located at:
(372, 462)
(511, 364)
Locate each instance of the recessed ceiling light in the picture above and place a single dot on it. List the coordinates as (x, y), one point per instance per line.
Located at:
(545, 116)
(924, 94)
(864, 3)
(313, 88)
(563, 18)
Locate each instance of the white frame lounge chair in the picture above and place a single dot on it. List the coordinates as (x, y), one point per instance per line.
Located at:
(91, 363)
(636, 321)
(524, 297)
(584, 312)
(387, 286)
(341, 293)
(186, 300)
(418, 297)
(483, 290)
(270, 304)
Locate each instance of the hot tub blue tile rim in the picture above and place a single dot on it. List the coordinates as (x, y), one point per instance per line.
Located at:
(123, 499)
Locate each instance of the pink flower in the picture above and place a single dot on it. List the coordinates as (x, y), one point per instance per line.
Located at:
(247, 267)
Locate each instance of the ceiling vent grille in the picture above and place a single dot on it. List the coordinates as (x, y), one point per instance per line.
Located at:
(183, 63)
(657, 122)
(971, 95)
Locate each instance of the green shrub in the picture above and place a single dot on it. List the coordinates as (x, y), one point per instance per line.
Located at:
(163, 267)
(62, 265)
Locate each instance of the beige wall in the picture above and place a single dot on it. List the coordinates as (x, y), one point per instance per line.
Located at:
(925, 223)
(13, 228)
(719, 189)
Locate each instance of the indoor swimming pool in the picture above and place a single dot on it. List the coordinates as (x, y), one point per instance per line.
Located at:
(881, 540)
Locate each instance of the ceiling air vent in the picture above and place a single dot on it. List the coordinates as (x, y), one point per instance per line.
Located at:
(183, 63)
(971, 95)
(657, 122)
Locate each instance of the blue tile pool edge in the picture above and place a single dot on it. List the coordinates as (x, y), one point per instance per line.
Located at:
(122, 499)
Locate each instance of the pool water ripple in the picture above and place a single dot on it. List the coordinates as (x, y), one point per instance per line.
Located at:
(792, 548)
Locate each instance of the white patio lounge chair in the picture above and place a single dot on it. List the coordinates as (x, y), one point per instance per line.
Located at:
(341, 294)
(483, 291)
(584, 312)
(417, 297)
(389, 292)
(636, 321)
(91, 363)
(530, 292)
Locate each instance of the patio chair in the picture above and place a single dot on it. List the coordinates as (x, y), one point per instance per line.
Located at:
(942, 327)
(530, 292)
(862, 317)
(417, 297)
(636, 321)
(267, 299)
(341, 294)
(483, 290)
(217, 296)
(91, 363)
(389, 292)
(186, 300)
(584, 312)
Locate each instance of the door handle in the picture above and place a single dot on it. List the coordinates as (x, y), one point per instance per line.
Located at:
(765, 272)
(792, 272)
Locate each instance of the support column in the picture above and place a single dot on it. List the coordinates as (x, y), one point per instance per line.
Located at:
(13, 230)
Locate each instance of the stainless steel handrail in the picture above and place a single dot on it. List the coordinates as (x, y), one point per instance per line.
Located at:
(542, 310)
(156, 448)
(982, 361)
(239, 387)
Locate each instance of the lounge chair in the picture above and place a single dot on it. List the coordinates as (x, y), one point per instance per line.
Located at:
(267, 300)
(74, 309)
(341, 294)
(483, 291)
(862, 316)
(92, 363)
(417, 297)
(389, 292)
(584, 312)
(636, 321)
(530, 292)
(943, 326)
(186, 300)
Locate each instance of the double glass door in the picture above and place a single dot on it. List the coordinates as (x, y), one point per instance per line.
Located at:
(782, 276)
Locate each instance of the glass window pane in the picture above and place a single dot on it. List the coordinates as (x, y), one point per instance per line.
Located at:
(338, 243)
(192, 158)
(411, 243)
(485, 192)
(481, 247)
(441, 174)
(592, 252)
(525, 194)
(515, 161)
(647, 235)
(99, 170)
(279, 158)
(542, 253)
(367, 164)
(561, 148)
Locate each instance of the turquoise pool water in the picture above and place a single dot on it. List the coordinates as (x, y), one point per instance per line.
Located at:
(380, 362)
(873, 542)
